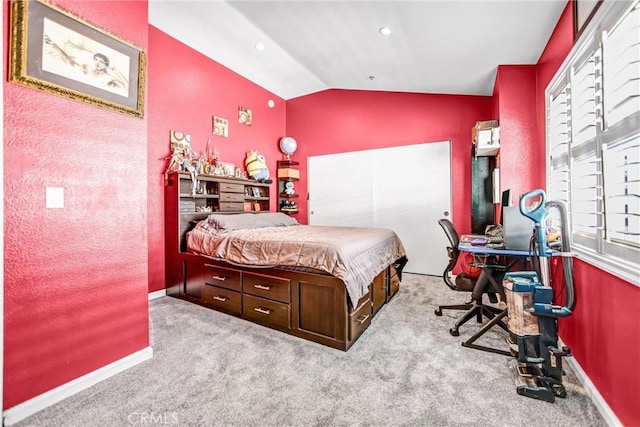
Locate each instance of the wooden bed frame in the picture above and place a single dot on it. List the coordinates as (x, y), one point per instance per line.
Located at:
(309, 305)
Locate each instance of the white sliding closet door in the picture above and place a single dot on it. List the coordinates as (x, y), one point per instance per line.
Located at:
(406, 189)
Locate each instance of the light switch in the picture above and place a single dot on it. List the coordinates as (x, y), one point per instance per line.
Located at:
(54, 197)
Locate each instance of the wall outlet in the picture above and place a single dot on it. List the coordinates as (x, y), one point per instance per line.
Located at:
(54, 197)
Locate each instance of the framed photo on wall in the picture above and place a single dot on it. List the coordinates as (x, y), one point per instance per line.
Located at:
(583, 11)
(56, 51)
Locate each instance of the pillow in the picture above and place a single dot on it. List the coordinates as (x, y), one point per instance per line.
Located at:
(249, 220)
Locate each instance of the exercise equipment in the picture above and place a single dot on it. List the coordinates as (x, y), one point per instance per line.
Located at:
(533, 316)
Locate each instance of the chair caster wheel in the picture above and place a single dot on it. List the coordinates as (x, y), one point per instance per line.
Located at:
(438, 312)
(454, 332)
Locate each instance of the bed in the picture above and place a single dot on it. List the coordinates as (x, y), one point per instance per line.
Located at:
(321, 283)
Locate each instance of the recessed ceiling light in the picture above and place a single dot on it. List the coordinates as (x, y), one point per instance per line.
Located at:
(385, 31)
(259, 46)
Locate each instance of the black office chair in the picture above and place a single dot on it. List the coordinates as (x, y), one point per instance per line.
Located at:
(489, 282)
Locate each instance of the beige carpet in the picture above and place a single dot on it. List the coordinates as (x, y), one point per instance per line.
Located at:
(405, 370)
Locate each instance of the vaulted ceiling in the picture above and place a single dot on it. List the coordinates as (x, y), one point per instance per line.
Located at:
(445, 47)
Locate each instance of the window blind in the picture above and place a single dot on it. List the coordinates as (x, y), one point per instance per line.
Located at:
(585, 194)
(593, 140)
(559, 152)
(622, 169)
(622, 68)
(583, 102)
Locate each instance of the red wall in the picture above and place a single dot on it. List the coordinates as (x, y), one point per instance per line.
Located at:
(603, 332)
(514, 97)
(75, 278)
(336, 121)
(186, 89)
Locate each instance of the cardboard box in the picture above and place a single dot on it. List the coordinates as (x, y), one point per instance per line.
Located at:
(486, 138)
(288, 173)
(487, 124)
(486, 130)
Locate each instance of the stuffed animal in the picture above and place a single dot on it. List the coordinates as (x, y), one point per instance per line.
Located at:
(289, 188)
(257, 166)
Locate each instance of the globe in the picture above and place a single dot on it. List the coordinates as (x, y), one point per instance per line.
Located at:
(288, 146)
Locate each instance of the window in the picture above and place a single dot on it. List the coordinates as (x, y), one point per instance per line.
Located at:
(593, 140)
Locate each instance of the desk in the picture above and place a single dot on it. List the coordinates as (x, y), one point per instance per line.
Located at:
(513, 257)
(483, 250)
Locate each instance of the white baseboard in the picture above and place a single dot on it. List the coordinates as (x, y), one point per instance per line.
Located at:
(593, 393)
(51, 397)
(157, 294)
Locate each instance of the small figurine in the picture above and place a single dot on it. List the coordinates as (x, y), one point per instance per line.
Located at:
(288, 206)
(289, 187)
(181, 153)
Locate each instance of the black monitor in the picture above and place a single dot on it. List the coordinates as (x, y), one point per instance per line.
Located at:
(505, 202)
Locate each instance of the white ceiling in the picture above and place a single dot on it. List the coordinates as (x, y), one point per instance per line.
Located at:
(446, 47)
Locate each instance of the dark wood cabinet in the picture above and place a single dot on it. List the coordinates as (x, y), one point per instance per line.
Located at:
(482, 209)
(311, 306)
(186, 202)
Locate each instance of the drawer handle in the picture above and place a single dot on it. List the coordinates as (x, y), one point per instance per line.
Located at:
(362, 318)
(221, 278)
(263, 287)
(262, 310)
(217, 298)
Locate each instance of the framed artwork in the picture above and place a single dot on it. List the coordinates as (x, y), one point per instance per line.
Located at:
(245, 116)
(220, 126)
(583, 11)
(56, 51)
(228, 169)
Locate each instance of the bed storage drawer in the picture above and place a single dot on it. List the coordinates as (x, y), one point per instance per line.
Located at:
(394, 282)
(265, 311)
(366, 298)
(231, 206)
(223, 299)
(223, 277)
(226, 187)
(360, 319)
(270, 287)
(232, 197)
(379, 291)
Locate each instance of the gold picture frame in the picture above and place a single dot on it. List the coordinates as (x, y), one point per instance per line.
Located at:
(56, 51)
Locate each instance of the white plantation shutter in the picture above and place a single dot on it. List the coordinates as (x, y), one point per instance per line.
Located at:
(622, 169)
(593, 140)
(586, 181)
(559, 125)
(621, 136)
(622, 68)
(583, 102)
(558, 119)
(585, 186)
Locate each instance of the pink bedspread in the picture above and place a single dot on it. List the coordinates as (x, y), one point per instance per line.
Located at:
(353, 254)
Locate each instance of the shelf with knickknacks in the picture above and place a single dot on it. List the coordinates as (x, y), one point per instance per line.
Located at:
(204, 184)
(287, 174)
(184, 159)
